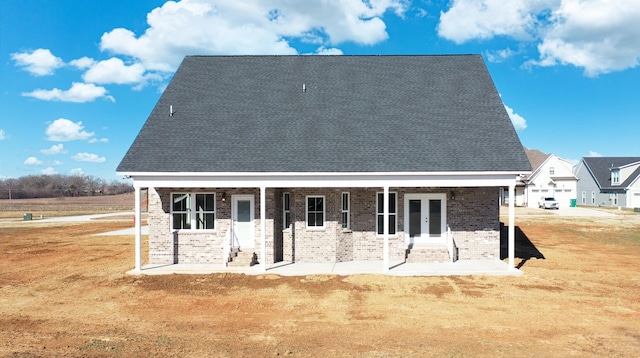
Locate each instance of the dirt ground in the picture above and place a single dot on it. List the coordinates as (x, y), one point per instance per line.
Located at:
(64, 292)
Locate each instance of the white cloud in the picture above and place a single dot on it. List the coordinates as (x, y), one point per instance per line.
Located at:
(55, 149)
(76, 171)
(56, 162)
(484, 19)
(328, 51)
(83, 63)
(594, 154)
(3, 134)
(500, 55)
(48, 171)
(79, 93)
(599, 36)
(212, 27)
(40, 62)
(519, 123)
(96, 140)
(64, 130)
(115, 71)
(88, 157)
(33, 161)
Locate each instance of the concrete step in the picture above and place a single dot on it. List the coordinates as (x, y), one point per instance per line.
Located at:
(242, 258)
(427, 253)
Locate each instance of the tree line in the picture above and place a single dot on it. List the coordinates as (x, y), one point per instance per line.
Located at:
(57, 185)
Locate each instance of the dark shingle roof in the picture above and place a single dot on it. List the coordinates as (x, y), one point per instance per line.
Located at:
(600, 168)
(356, 114)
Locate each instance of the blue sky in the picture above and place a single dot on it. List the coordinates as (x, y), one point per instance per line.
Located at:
(79, 78)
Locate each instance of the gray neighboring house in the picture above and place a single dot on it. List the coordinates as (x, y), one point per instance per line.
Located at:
(609, 181)
(266, 159)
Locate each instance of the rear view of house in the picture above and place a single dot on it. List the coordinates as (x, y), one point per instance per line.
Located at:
(265, 159)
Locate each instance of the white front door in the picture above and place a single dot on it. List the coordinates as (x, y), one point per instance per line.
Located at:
(425, 218)
(242, 217)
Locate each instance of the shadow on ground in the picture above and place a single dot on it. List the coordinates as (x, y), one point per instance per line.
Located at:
(525, 249)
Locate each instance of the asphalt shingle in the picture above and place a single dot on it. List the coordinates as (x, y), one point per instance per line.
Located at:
(328, 114)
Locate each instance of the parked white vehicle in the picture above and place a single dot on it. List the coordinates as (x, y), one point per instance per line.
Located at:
(548, 203)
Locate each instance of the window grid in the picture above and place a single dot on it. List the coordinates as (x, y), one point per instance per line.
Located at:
(393, 213)
(315, 211)
(346, 217)
(193, 211)
(286, 210)
(205, 211)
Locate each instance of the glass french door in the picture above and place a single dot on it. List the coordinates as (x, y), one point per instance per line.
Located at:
(425, 218)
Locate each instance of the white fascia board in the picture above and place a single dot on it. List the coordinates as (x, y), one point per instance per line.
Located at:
(325, 180)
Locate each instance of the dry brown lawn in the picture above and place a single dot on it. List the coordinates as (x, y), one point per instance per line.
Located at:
(64, 292)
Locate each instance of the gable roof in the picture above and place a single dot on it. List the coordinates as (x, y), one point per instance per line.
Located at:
(328, 114)
(536, 157)
(600, 169)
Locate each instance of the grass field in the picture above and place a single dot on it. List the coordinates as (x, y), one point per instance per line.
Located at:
(64, 292)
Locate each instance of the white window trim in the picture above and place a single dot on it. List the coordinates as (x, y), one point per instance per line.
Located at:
(395, 214)
(324, 213)
(286, 211)
(593, 198)
(584, 197)
(615, 177)
(193, 213)
(345, 211)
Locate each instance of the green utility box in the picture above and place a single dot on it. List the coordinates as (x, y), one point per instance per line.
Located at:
(26, 216)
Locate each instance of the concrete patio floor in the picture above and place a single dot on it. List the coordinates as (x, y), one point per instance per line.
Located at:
(458, 268)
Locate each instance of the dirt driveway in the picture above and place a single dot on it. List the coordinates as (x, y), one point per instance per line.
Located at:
(63, 292)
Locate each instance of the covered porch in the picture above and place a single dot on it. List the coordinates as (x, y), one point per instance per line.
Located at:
(384, 263)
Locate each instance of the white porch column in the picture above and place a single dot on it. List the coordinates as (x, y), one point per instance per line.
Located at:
(385, 225)
(512, 236)
(263, 228)
(138, 230)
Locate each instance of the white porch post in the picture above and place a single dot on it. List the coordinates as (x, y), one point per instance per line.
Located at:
(512, 238)
(385, 225)
(263, 228)
(138, 230)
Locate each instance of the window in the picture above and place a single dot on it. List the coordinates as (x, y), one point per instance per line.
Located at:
(613, 198)
(181, 209)
(193, 210)
(584, 197)
(393, 213)
(205, 211)
(615, 176)
(552, 170)
(346, 224)
(286, 211)
(593, 198)
(315, 211)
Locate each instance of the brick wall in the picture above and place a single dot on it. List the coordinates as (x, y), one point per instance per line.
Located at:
(473, 217)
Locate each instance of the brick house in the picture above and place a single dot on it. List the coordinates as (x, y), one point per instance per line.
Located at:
(325, 159)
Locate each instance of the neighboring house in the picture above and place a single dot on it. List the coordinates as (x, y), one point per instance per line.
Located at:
(609, 181)
(552, 177)
(326, 159)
